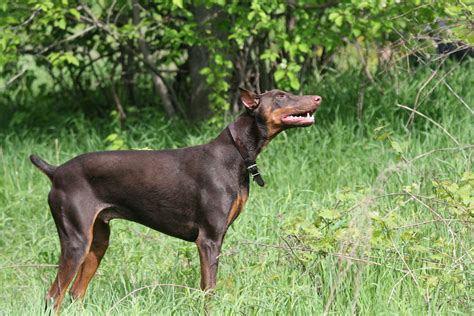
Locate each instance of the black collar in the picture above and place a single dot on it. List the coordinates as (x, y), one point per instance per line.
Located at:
(250, 164)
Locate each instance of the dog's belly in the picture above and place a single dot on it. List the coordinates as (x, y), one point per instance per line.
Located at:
(172, 222)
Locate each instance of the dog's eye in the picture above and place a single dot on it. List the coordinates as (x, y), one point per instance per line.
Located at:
(281, 95)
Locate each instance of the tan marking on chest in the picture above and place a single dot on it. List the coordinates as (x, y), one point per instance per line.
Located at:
(236, 208)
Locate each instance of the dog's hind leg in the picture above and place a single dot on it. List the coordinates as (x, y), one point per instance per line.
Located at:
(74, 220)
(100, 242)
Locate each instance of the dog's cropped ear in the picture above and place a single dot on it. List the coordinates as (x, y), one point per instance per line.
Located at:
(249, 99)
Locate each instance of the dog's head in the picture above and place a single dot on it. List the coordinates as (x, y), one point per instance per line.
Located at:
(281, 110)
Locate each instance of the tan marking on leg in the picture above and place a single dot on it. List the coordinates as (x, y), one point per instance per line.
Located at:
(92, 261)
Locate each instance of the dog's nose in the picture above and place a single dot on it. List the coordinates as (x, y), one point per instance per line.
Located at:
(317, 99)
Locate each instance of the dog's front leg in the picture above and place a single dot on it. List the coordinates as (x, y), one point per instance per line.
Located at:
(209, 250)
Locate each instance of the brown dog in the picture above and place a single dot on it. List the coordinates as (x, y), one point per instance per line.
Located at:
(192, 193)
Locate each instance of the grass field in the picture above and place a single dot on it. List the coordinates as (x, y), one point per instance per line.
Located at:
(363, 215)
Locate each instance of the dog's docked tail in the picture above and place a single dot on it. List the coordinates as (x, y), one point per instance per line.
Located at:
(43, 166)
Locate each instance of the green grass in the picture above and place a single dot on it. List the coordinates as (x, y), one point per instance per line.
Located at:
(334, 191)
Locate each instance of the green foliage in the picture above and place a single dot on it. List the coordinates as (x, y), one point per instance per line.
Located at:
(86, 47)
(459, 195)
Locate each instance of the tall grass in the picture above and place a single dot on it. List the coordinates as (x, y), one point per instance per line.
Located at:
(359, 215)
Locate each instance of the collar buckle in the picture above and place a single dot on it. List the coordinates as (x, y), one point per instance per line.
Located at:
(253, 169)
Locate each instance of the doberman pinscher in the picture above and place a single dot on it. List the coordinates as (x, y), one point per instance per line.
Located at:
(192, 193)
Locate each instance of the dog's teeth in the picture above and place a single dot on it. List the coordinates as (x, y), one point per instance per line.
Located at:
(307, 115)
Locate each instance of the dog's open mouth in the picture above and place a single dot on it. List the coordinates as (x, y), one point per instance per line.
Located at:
(300, 119)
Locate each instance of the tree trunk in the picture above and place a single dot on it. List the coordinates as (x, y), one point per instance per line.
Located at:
(265, 74)
(158, 82)
(128, 74)
(199, 56)
(199, 106)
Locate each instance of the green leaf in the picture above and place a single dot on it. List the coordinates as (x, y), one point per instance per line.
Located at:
(303, 47)
(396, 146)
(333, 16)
(71, 59)
(270, 55)
(205, 71)
(279, 75)
(61, 24)
(75, 13)
(111, 137)
(432, 281)
(178, 3)
(330, 214)
(384, 135)
(376, 26)
(218, 59)
(251, 15)
(294, 82)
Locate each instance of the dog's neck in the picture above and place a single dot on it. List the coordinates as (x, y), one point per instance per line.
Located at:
(252, 133)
